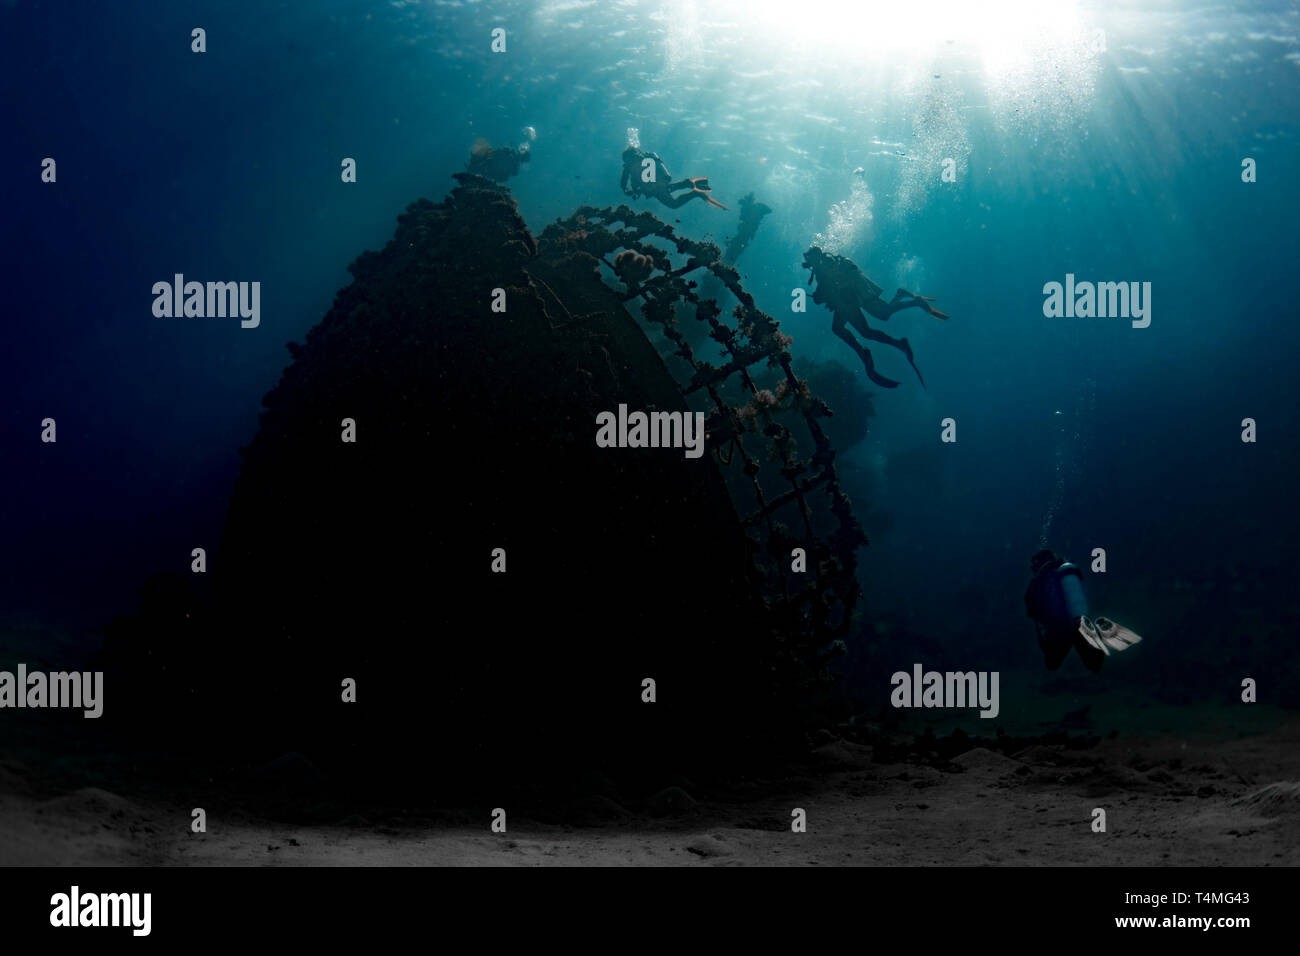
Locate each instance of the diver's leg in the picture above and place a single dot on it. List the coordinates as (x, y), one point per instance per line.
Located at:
(907, 300)
(840, 329)
(860, 324)
(702, 192)
(898, 304)
(673, 202)
(701, 186)
(708, 198)
(1092, 657)
(1054, 648)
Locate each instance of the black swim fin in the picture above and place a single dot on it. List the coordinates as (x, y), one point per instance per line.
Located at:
(901, 344)
(873, 374)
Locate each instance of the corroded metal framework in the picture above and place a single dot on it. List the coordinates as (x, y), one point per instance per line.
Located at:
(811, 615)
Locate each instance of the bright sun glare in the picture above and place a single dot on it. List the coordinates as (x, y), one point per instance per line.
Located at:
(1003, 34)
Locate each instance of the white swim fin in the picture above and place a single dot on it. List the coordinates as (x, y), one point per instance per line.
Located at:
(1105, 635)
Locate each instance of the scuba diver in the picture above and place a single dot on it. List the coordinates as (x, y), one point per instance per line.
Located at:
(843, 289)
(751, 214)
(497, 164)
(1056, 603)
(661, 187)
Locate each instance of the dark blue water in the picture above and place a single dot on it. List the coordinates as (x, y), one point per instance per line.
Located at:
(1105, 141)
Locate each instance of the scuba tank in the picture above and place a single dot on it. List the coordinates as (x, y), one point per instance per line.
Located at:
(1055, 600)
(1063, 600)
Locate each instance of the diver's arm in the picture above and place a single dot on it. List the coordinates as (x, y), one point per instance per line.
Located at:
(622, 181)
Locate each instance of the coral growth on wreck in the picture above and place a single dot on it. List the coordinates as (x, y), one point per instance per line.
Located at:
(499, 588)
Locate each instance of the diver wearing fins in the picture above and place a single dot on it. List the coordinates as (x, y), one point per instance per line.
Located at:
(847, 292)
(1056, 603)
(662, 187)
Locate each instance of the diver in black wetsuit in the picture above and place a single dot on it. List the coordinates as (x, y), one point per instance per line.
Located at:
(847, 292)
(661, 187)
(1057, 605)
(751, 214)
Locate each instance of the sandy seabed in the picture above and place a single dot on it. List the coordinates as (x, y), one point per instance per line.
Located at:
(1220, 797)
